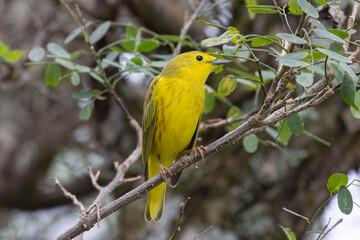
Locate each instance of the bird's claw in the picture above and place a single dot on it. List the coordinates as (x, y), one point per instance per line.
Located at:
(163, 171)
(195, 150)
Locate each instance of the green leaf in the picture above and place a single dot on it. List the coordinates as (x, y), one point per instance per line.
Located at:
(340, 33)
(81, 95)
(293, 56)
(99, 32)
(336, 47)
(250, 143)
(230, 50)
(294, 7)
(130, 35)
(53, 74)
(227, 85)
(327, 35)
(305, 79)
(308, 8)
(322, 2)
(263, 41)
(295, 124)
(356, 112)
(232, 112)
(337, 180)
(57, 50)
(294, 63)
(14, 55)
(284, 133)
(36, 54)
(315, 55)
(292, 59)
(137, 61)
(209, 102)
(85, 113)
(147, 45)
(291, 38)
(210, 42)
(75, 33)
(290, 235)
(338, 73)
(89, 94)
(350, 71)
(345, 201)
(334, 55)
(96, 76)
(347, 90)
(72, 66)
(75, 79)
(263, 9)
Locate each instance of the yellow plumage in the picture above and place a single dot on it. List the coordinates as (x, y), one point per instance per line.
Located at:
(172, 112)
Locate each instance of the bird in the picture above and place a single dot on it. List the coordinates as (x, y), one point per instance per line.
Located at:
(171, 117)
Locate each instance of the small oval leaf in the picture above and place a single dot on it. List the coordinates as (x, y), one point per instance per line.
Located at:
(295, 124)
(327, 35)
(337, 180)
(36, 54)
(294, 7)
(250, 143)
(85, 113)
(99, 32)
(305, 79)
(348, 90)
(345, 201)
(75, 79)
(293, 63)
(209, 102)
(226, 86)
(308, 8)
(147, 45)
(350, 71)
(291, 38)
(210, 42)
(284, 133)
(53, 74)
(233, 111)
(57, 50)
(334, 55)
(355, 112)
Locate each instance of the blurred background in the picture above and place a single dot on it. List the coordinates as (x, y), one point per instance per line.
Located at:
(239, 194)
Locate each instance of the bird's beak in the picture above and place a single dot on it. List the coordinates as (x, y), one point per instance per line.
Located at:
(219, 61)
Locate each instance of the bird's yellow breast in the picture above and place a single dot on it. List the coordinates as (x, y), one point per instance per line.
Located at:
(179, 107)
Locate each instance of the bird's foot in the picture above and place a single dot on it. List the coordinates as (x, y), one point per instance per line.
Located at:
(195, 150)
(163, 171)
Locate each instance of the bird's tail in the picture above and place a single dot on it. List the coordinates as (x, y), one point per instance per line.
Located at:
(156, 196)
(155, 203)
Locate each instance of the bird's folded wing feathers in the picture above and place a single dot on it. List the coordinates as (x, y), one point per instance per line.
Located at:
(148, 123)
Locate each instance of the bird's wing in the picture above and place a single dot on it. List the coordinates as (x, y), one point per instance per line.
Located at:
(148, 123)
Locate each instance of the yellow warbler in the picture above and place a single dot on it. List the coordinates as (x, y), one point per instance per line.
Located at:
(172, 112)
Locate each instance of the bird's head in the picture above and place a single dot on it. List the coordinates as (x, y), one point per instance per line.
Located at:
(197, 65)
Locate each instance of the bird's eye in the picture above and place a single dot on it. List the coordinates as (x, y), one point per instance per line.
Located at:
(199, 58)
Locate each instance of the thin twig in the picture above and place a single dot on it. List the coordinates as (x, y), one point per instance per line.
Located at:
(351, 22)
(187, 25)
(94, 178)
(332, 228)
(181, 212)
(205, 231)
(71, 196)
(224, 122)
